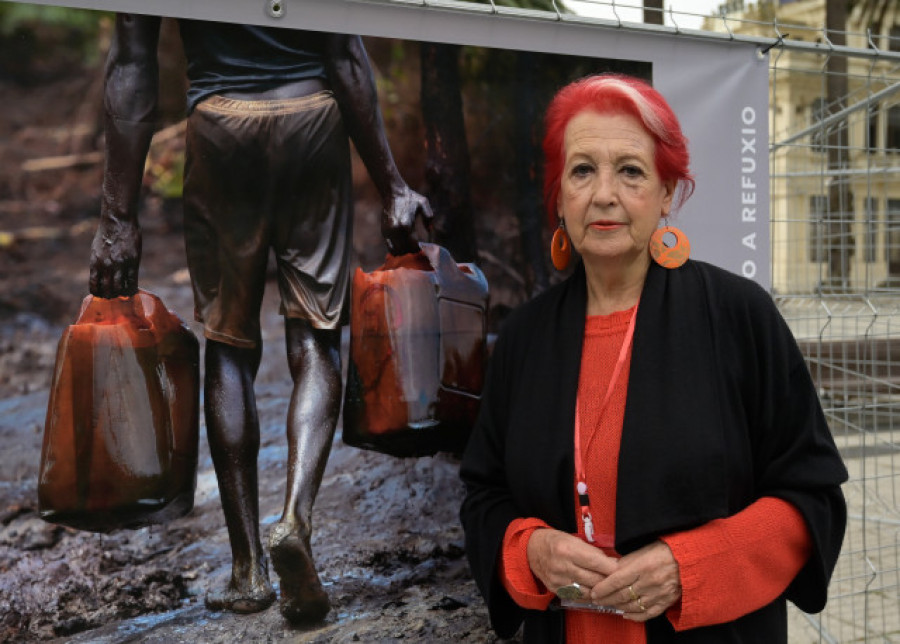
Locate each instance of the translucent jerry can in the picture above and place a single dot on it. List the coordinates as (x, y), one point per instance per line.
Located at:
(120, 438)
(417, 354)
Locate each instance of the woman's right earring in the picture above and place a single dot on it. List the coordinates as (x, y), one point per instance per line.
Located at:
(561, 247)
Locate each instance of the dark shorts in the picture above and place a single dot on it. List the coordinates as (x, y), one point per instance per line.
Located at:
(263, 175)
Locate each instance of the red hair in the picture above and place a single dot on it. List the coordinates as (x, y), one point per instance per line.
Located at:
(616, 93)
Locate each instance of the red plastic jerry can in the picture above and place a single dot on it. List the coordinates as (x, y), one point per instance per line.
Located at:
(120, 439)
(418, 328)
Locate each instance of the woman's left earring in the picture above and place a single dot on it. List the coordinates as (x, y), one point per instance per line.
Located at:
(561, 247)
(669, 256)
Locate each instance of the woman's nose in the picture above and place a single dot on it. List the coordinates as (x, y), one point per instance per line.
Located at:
(604, 187)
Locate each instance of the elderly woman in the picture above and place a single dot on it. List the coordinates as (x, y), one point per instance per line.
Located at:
(650, 447)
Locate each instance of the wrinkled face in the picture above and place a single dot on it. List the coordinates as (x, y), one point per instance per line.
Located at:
(611, 195)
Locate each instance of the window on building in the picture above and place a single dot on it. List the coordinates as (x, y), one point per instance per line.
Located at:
(871, 228)
(892, 237)
(818, 211)
(892, 133)
(894, 38)
(872, 129)
(817, 112)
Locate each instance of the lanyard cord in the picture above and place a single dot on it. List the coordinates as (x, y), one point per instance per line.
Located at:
(581, 486)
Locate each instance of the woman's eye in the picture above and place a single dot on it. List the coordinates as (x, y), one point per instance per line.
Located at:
(632, 171)
(581, 170)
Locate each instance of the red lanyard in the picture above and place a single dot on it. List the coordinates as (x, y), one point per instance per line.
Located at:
(581, 485)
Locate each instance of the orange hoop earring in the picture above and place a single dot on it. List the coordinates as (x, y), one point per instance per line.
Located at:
(561, 247)
(669, 256)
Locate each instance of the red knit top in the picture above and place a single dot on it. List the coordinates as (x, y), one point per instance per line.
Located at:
(729, 567)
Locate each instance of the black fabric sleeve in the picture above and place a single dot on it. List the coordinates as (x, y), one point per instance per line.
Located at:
(488, 507)
(806, 470)
(795, 457)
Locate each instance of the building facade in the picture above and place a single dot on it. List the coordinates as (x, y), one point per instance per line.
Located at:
(835, 144)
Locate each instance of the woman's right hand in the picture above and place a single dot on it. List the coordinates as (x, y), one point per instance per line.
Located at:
(559, 559)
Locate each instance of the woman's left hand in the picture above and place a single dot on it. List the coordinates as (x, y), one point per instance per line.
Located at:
(645, 584)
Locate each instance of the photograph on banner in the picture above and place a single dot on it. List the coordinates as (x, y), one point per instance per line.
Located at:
(463, 119)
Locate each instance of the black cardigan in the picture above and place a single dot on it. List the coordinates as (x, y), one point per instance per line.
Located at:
(720, 411)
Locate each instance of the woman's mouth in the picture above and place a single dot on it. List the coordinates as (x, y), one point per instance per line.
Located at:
(606, 225)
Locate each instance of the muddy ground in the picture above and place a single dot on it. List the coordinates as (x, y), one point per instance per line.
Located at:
(386, 539)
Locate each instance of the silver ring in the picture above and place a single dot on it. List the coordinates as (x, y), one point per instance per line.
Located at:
(572, 591)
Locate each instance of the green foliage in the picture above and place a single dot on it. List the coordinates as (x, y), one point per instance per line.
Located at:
(39, 42)
(165, 176)
(541, 5)
(14, 15)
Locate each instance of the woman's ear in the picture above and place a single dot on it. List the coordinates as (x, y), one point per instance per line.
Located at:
(669, 186)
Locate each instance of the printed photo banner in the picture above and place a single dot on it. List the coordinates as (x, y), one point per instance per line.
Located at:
(718, 89)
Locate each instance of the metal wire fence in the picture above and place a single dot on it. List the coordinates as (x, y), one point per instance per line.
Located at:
(835, 234)
(835, 249)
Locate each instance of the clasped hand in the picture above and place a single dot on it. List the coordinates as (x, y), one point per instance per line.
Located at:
(643, 584)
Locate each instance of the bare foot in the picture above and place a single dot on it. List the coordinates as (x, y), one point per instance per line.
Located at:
(302, 598)
(253, 598)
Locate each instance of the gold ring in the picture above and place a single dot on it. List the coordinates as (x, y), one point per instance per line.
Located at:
(641, 605)
(634, 596)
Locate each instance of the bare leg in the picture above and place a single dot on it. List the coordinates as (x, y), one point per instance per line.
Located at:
(233, 431)
(315, 364)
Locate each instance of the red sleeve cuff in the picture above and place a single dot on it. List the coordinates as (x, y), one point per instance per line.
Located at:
(521, 584)
(731, 567)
